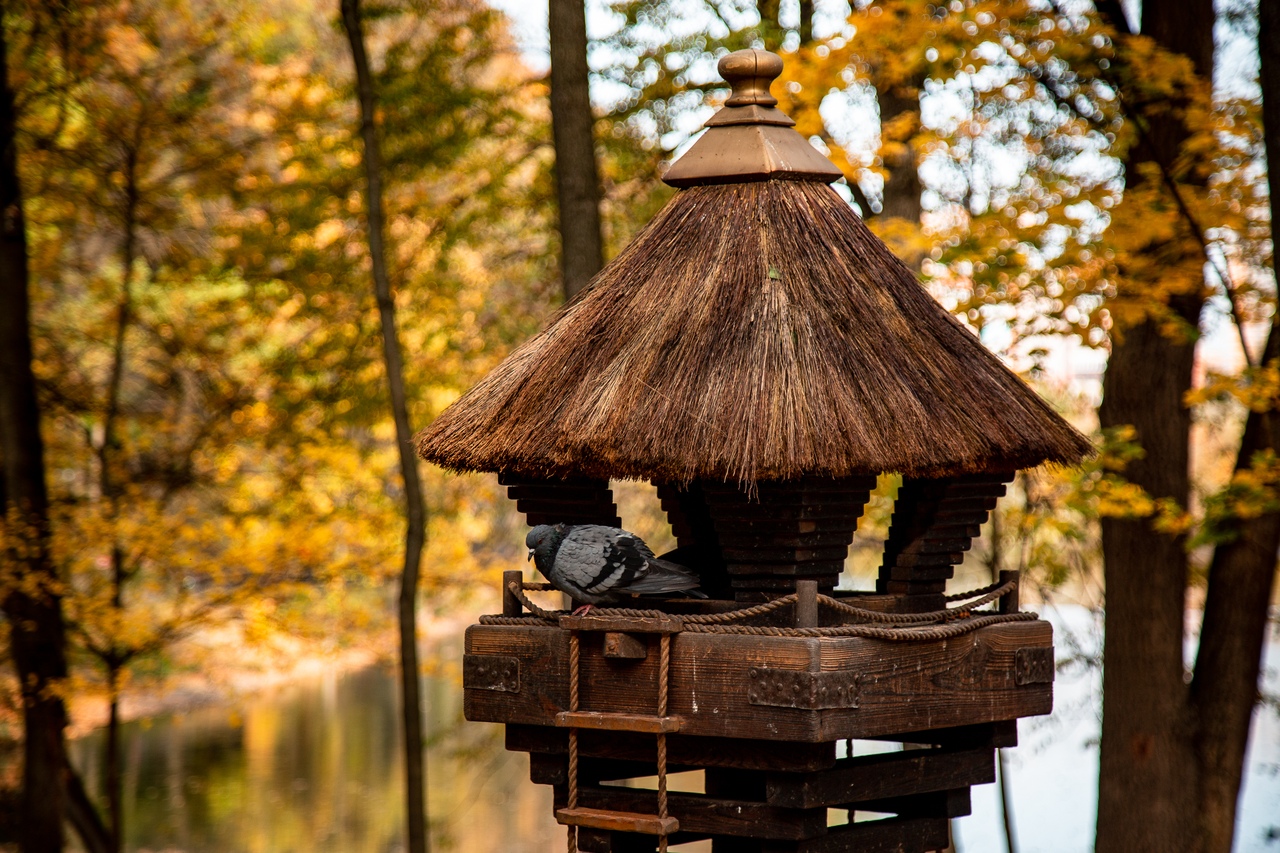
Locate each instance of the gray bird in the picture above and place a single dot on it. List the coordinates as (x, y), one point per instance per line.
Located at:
(603, 565)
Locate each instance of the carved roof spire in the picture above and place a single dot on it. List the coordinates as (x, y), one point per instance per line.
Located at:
(750, 139)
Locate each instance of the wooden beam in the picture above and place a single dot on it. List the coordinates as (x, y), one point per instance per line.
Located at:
(892, 835)
(689, 751)
(883, 776)
(599, 721)
(562, 501)
(934, 522)
(953, 803)
(619, 821)
(700, 813)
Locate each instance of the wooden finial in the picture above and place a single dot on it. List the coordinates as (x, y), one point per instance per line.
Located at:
(750, 139)
(750, 73)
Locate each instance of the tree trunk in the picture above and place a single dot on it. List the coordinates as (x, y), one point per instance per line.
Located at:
(806, 21)
(902, 186)
(114, 780)
(1225, 687)
(33, 608)
(415, 507)
(1147, 780)
(111, 492)
(83, 815)
(577, 178)
(1145, 784)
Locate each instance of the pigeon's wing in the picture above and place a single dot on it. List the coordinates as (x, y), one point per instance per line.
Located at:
(598, 560)
(662, 577)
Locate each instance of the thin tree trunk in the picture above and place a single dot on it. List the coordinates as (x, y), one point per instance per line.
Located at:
(83, 815)
(806, 21)
(415, 507)
(115, 811)
(111, 491)
(33, 609)
(572, 122)
(771, 30)
(1147, 777)
(899, 105)
(1006, 807)
(1224, 690)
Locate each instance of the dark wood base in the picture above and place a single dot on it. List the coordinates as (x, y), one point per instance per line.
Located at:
(900, 801)
(760, 717)
(797, 689)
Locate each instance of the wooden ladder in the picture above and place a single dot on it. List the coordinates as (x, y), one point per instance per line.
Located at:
(661, 724)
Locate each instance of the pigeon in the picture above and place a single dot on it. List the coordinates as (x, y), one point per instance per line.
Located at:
(603, 565)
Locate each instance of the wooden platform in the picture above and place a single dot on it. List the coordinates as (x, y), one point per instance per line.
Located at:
(797, 689)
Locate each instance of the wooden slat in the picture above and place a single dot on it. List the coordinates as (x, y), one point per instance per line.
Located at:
(892, 835)
(618, 821)
(756, 516)
(952, 803)
(635, 624)
(618, 722)
(604, 841)
(700, 813)
(932, 588)
(553, 769)
(783, 554)
(883, 776)
(783, 570)
(786, 530)
(1002, 734)
(588, 507)
(919, 573)
(934, 523)
(533, 519)
(556, 501)
(712, 752)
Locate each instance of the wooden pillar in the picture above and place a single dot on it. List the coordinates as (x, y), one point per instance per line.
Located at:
(698, 546)
(934, 523)
(562, 501)
(788, 530)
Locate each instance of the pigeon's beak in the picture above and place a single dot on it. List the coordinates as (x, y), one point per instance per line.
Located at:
(530, 557)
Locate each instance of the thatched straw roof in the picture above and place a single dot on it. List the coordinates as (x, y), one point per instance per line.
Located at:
(751, 331)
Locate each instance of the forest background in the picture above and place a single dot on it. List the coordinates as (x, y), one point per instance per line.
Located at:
(189, 182)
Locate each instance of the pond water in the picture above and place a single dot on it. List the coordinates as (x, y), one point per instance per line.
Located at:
(316, 767)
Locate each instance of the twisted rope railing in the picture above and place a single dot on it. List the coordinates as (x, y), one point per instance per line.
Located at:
(933, 625)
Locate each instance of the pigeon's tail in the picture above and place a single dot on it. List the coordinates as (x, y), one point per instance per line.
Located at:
(664, 577)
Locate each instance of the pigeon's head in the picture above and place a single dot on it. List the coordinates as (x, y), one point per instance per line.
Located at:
(543, 541)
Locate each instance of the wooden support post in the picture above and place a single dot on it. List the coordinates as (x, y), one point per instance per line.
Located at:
(1010, 603)
(562, 500)
(510, 604)
(807, 604)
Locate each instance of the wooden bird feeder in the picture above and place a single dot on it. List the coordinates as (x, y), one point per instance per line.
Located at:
(760, 357)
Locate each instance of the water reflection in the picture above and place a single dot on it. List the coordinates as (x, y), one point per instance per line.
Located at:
(317, 766)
